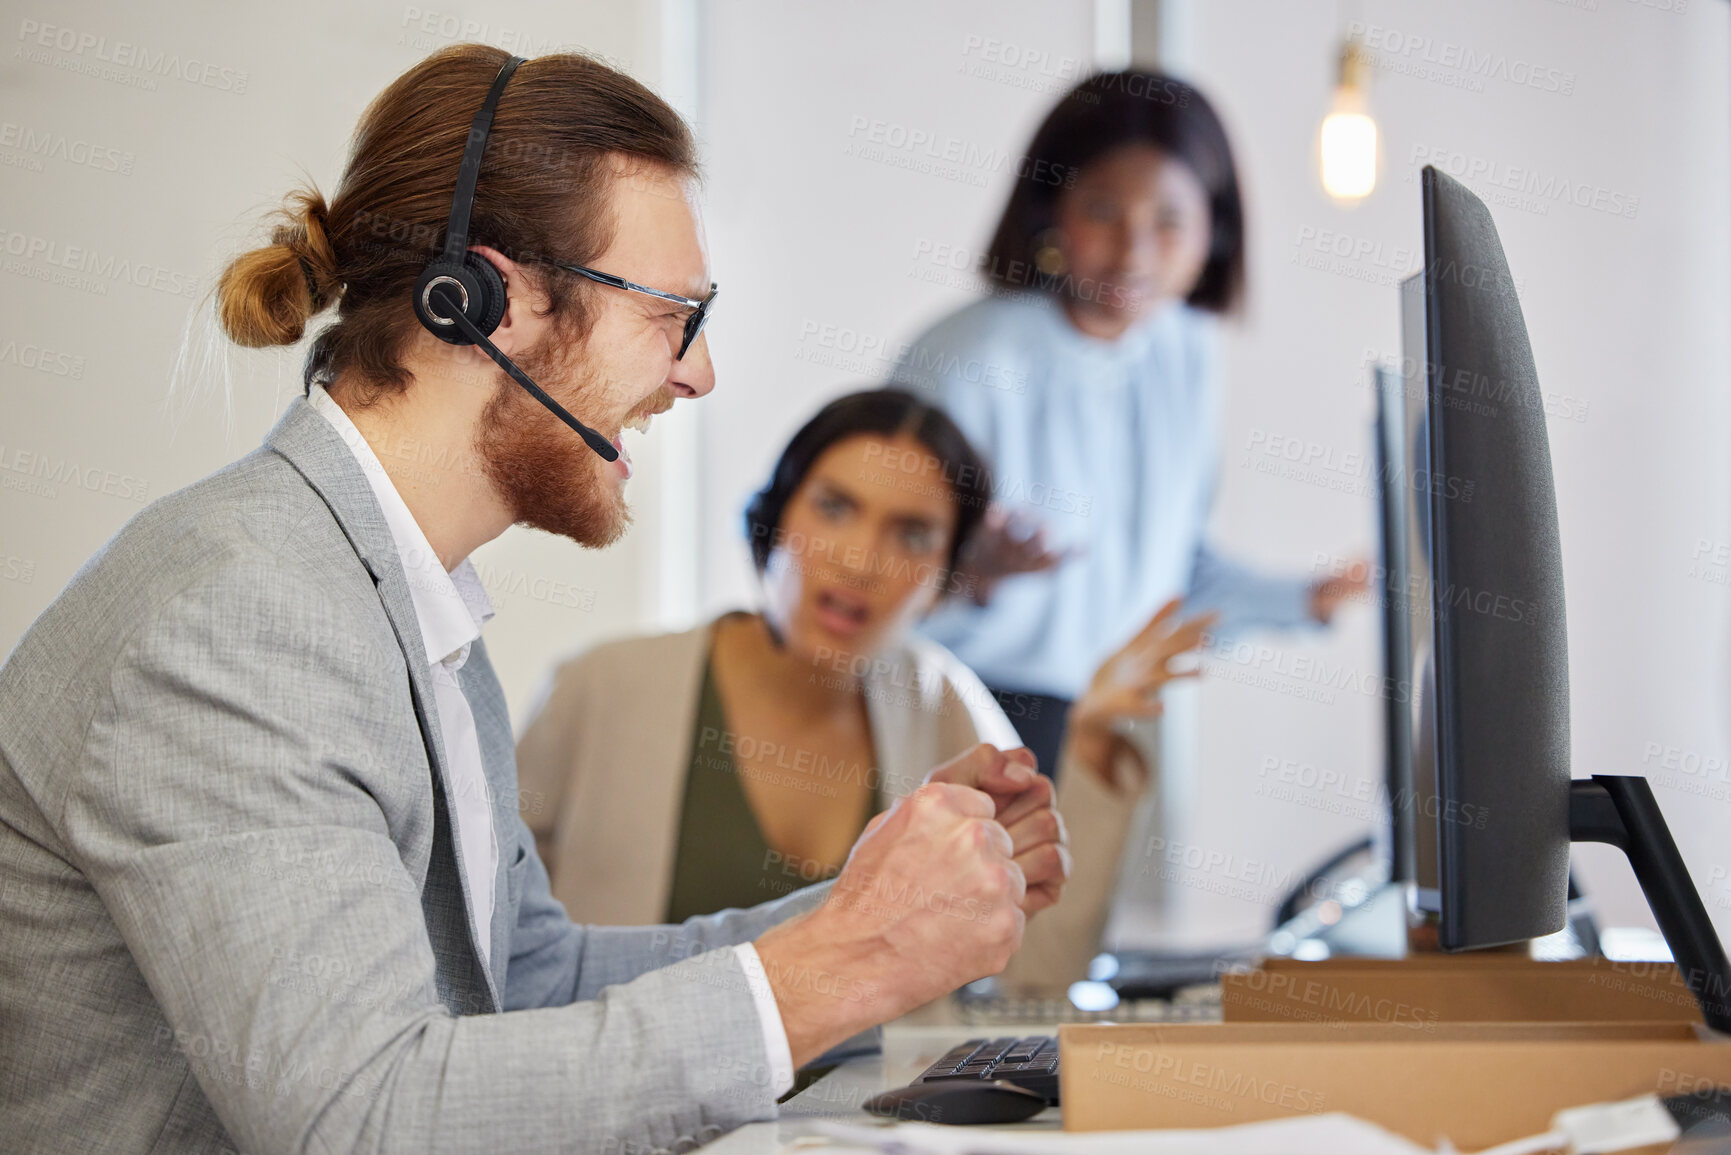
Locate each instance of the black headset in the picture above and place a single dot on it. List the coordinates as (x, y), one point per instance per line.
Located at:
(460, 296)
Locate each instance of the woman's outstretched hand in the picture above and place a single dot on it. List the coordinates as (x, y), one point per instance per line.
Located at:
(1127, 685)
(1005, 544)
(1351, 584)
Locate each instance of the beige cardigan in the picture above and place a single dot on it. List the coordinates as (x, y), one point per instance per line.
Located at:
(602, 765)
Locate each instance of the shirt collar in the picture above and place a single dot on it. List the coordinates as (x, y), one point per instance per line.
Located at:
(451, 607)
(1131, 345)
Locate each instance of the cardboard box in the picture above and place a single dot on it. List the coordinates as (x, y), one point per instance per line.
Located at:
(1478, 1084)
(1457, 988)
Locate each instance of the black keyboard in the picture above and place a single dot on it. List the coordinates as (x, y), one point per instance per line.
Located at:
(1031, 1062)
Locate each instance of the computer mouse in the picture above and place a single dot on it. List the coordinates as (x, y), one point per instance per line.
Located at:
(959, 1101)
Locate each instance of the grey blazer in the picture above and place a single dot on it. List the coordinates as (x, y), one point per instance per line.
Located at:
(231, 913)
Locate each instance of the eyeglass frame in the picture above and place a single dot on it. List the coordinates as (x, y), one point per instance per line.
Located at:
(693, 324)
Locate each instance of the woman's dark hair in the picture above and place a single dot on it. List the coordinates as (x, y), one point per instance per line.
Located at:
(886, 413)
(1103, 113)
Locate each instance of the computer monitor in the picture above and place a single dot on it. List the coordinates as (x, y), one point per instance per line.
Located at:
(1366, 908)
(1394, 480)
(1489, 643)
(1499, 667)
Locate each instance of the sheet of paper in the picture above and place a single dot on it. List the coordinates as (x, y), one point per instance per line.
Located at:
(1331, 1134)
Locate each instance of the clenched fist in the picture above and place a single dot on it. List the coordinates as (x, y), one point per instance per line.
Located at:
(934, 895)
(1022, 798)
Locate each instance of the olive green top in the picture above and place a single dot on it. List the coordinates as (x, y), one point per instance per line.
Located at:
(721, 858)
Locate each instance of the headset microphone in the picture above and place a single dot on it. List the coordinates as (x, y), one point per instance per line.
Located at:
(446, 296)
(460, 296)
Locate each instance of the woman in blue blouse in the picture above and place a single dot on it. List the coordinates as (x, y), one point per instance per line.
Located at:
(1088, 379)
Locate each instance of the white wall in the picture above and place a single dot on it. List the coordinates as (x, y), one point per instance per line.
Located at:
(199, 165)
(833, 211)
(1627, 315)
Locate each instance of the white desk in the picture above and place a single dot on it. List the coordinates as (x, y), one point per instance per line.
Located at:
(908, 1050)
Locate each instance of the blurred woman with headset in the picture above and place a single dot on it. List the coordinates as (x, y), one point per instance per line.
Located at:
(759, 745)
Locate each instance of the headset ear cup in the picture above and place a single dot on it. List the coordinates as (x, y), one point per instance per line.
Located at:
(452, 277)
(479, 287)
(487, 308)
(757, 530)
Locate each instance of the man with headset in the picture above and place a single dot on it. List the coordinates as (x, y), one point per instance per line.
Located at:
(263, 879)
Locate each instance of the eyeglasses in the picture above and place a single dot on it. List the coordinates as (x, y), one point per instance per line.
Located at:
(693, 324)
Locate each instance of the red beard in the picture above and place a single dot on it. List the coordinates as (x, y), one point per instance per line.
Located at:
(551, 479)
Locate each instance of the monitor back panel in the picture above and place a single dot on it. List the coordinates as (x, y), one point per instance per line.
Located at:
(1500, 643)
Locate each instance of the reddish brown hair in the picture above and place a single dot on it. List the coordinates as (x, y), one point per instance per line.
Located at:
(563, 122)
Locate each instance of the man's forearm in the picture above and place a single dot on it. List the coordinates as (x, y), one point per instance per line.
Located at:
(613, 955)
(826, 992)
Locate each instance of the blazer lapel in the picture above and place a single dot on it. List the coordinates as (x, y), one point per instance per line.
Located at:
(499, 763)
(317, 452)
(901, 709)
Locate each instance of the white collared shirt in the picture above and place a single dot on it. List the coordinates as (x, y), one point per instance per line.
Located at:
(451, 608)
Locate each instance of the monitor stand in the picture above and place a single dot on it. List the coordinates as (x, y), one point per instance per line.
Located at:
(1621, 810)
